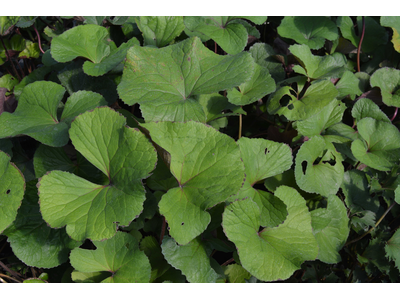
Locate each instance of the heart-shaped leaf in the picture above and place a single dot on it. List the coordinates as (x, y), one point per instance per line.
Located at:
(90, 210)
(310, 31)
(36, 113)
(163, 81)
(12, 190)
(388, 80)
(119, 255)
(279, 251)
(208, 168)
(192, 259)
(379, 146)
(159, 31)
(29, 232)
(367, 108)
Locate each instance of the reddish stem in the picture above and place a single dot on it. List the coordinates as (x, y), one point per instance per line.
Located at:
(162, 229)
(38, 35)
(228, 261)
(359, 45)
(395, 114)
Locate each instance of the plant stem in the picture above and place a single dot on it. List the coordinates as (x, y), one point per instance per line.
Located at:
(8, 277)
(394, 115)
(9, 58)
(240, 126)
(372, 228)
(359, 45)
(15, 274)
(38, 36)
(228, 261)
(164, 223)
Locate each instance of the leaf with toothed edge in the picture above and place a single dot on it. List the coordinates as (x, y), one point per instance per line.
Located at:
(208, 168)
(91, 210)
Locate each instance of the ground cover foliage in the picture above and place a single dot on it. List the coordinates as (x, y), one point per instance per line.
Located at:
(199, 149)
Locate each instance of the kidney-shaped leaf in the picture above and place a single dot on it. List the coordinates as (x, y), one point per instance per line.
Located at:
(272, 253)
(379, 148)
(330, 228)
(208, 168)
(36, 113)
(192, 259)
(164, 80)
(12, 190)
(119, 255)
(388, 80)
(319, 167)
(90, 210)
(311, 30)
(87, 41)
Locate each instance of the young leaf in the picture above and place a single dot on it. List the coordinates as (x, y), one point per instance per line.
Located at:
(367, 108)
(236, 273)
(12, 190)
(348, 84)
(163, 81)
(260, 85)
(36, 113)
(379, 145)
(273, 253)
(159, 31)
(90, 210)
(388, 80)
(208, 168)
(319, 167)
(119, 255)
(87, 41)
(192, 259)
(310, 31)
(29, 233)
(330, 228)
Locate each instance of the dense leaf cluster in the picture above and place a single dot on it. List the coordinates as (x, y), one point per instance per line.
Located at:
(199, 149)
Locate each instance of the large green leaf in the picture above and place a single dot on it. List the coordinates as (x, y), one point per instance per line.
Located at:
(272, 253)
(163, 81)
(319, 167)
(392, 248)
(318, 67)
(152, 249)
(29, 233)
(348, 85)
(330, 228)
(119, 256)
(367, 108)
(379, 146)
(12, 190)
(394, 23)
(388, 80)
(90, 210)
(192, 259)
(159, 31)
(311, 30)
(316, 97)
(36, 113)
(116, 56)
(260, 85)
(89, 41)
(208, 168)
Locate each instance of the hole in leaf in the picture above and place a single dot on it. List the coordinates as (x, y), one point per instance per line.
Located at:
(266, 151)
(332, 162)
(304, 166)
(182, 223)
(285, 100)
(317, 161)
(290, 107)
(293, 93)
(8, 191)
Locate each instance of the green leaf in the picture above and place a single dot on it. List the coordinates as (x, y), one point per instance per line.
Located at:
(264, 55)
(230, 36)
(152, 249)
(119, 255)
(159, 31)
(89, 277)
(90, 210)
(272, 253)
(7, 81)
(316, 97)
(87, 41)
(192, 259)
(319, 167)
(379, 145)
(392, 248)
(116, 56)
(97, 20)
(318, 67)
(208, 168)
(6, 23)
(260, 85)
(348, 84)
(236, 273)
(311, 31)
(365, 107)
(25, 21)
(330, 228)
(31, 51)
(388, 80)
(393, 22)
(74, 79)
(29, 233)
(328, 116)
(163, 81)
(12, 190)
(36, 113)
